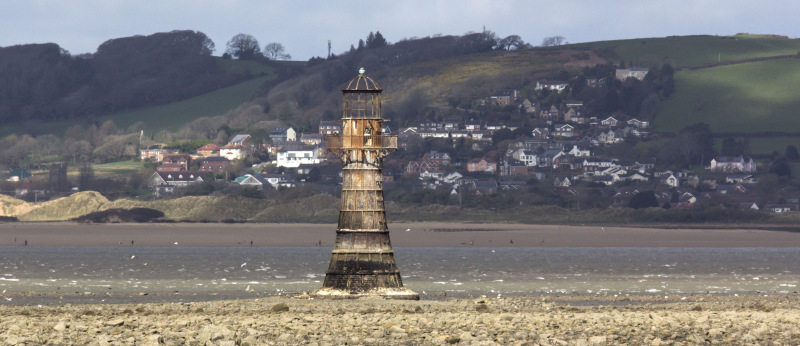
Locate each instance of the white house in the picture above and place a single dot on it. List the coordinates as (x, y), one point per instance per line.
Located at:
(295, 157)
(166, 182)
(265, 180)
(232, 152)
(733, 164)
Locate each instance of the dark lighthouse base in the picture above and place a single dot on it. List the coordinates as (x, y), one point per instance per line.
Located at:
(357, 275)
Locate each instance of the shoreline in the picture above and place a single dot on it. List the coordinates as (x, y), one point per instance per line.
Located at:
(542, 319)
(403, 234)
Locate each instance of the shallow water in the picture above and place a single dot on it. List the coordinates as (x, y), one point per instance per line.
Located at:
(429, 271)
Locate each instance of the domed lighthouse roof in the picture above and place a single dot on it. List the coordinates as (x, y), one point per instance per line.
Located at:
(362, 83)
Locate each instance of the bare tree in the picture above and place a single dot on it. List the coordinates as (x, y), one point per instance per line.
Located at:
(243, 46)
(553, 41)
(275, 51)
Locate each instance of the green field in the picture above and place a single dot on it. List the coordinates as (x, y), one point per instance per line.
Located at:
(697, 50)
(767, 145)
(749, 97)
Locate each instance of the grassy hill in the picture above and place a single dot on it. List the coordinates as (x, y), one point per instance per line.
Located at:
(751, 97)
(748, 97)
(685, 51)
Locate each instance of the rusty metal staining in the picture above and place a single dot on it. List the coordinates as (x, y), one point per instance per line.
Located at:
(362, 260)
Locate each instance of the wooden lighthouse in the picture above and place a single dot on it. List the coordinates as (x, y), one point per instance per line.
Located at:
(362, 260)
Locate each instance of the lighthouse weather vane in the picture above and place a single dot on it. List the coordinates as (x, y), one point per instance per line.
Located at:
(362, 260)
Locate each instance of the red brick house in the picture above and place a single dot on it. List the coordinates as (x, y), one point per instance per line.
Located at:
(482, 165)
(214, 164)
(208, 150)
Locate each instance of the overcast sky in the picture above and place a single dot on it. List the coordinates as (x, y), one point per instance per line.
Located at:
(304, 27)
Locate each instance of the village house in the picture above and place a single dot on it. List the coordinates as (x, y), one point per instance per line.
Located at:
(264, 181)
(232, 152)
(167, 182)
(733, 164)
(540, 133)
(416, 167)
(330, 127)
(636, 72)
(781, 208)
(214, 164)
(528, 106)
(638, 123)
(482, 165)
(156, 152)
(441, 159)
(513, 168)
(609, 122)
(182, 160)
(528, 157)
(452, 123)
(551, 85)
(472, 125)
(283, 133)
(296, 157)
(311, 138)
(207, 150)
(564, 130)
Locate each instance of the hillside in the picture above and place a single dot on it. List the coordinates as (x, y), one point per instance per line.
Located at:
(685, 51)
(43, 82)
(747, 97)
(325, 208)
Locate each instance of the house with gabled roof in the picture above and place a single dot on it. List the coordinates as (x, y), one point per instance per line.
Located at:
(167, 182)
(207, 150)
(564, 130)
(472, 125)
(239, 140)
(540, 133)
(638, 123)
(528, 106)
(609, 122)
(214, 164)
(634, 72)
(295, 157)
(330, 127)
(311, 138)
(482, 165)
(157, 152)
(441, 159)
(264, 181)
(732, 164)
(283, 133)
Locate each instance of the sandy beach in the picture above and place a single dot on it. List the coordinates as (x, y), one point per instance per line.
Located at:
(429, 234)
(245, 317)
(543, 320)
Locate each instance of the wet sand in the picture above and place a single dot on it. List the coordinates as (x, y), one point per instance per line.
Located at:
(542, 320)
(424, 234)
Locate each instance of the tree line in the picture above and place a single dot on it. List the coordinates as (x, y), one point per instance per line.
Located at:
(43, 82)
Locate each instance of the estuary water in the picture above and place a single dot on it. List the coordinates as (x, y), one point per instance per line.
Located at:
(430, 271)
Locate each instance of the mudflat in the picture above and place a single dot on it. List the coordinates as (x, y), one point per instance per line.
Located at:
(544, 320)
(419, 234)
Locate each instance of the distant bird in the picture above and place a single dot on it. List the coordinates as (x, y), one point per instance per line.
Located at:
(243, 264)
(134, 256)
(176, 243)
(408, 229)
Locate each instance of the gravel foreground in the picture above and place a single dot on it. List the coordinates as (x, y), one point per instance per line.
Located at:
(531, 320)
